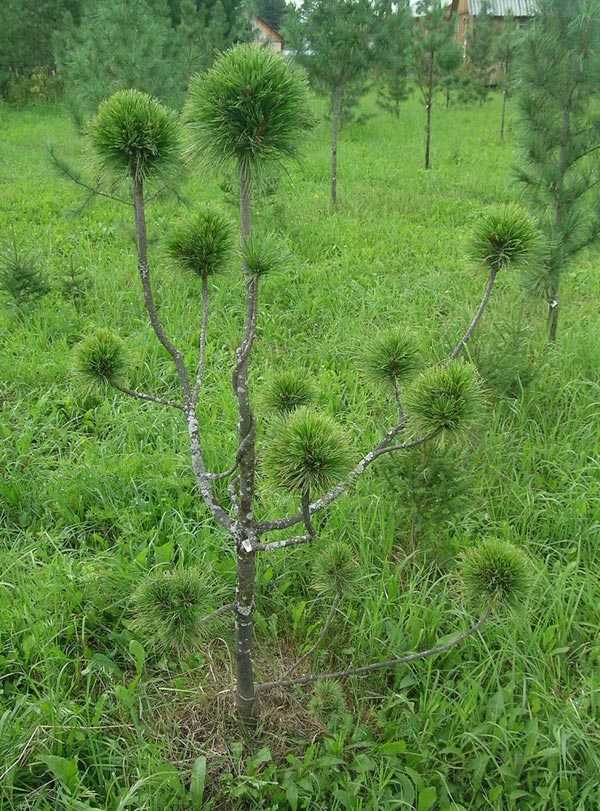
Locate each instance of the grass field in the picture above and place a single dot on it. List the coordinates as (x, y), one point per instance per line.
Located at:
(95, 491)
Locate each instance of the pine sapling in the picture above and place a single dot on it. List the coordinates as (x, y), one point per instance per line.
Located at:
(251, 110)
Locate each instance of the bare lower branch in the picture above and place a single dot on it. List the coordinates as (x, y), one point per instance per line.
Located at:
(71, 174)
(144, 271)
(203, 332)
(384, 665)
(150, 398)
(217, 613)
(275, 545)
(461, 345)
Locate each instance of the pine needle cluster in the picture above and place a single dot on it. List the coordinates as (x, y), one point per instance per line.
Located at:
(286, 391)
(136, 135)
(445, 399)
(335, 571)
(392, 357)
(307, 453)
(496, 574)
(101, 357)
(504, 238)
(203, 243)
(249, 107)
(169, 607)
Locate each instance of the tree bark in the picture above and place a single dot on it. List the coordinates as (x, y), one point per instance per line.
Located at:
(336, 107)
(428, 105)
(553, 302)
(428, 135)
(503, 115)
(245, 540)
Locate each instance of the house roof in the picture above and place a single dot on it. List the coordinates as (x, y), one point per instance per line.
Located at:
(268, 29)
(502, 8)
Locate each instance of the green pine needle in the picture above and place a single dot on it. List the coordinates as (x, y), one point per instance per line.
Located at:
(335, 571)
(496, 574)
(203, 243)
(101, 357)
(169, 607)
(504, 238)
(136, 135)
(308, 452)
(251, 106)
(286, 391)
(445, 398)
(264, 254)
(392, 357)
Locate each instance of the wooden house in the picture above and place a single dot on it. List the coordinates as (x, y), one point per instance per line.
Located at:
(266, 35)
(464, 11)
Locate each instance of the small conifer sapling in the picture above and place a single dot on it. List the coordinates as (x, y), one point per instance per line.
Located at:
(248, 110)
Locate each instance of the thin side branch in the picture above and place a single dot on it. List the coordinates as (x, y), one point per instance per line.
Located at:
(275, 545)
(384, 665)
(150, 398)
(70, 174)
(218, 612)
(461, 345)
(144, 271)
(203, 333)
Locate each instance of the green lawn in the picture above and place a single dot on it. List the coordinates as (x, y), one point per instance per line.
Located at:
(95, 490)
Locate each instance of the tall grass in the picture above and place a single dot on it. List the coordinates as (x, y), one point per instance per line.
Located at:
(95, 492)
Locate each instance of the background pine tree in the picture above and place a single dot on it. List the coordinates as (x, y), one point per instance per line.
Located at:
(559, 81)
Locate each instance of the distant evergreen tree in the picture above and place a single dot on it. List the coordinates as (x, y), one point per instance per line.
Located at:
(393, 54)
(139, 37)
(436, 55)
(26, 31)
(480, 48)
(505, 55)
(560, 168)
(334, 41)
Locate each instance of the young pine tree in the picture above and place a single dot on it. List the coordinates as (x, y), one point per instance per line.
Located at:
(481, 38)
(251, 109)
(333, 39)
(560, 125)
(143, 48)
(436, 55)
(505, 56)
(393, 41)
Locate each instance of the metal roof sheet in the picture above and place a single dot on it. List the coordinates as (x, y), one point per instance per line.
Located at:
(501, 8)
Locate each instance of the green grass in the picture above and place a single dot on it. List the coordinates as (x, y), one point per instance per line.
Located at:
(96, 490)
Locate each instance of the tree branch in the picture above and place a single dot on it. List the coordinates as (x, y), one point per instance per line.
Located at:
(203, 332)
(70, 174)
(385, 665)
(275, 545)
(150, 398)
(144, 271)
(460, 346)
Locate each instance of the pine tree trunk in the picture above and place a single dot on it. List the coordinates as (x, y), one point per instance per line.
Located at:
(503, 115)
(553, 301)
(428, 135)
(553, 311)
(428, 104)
(246, 563)
(336, 107)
